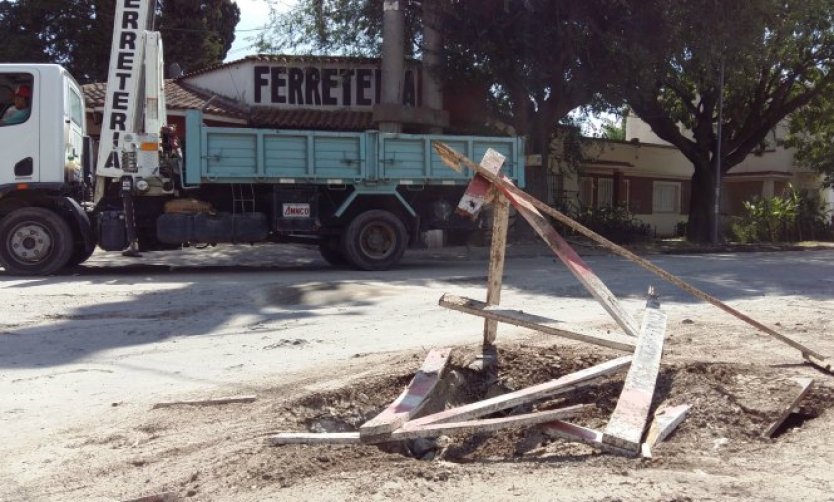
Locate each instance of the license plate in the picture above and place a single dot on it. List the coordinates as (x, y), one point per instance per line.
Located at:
(296, 210)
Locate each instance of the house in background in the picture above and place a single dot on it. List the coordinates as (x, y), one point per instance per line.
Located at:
(652, 178)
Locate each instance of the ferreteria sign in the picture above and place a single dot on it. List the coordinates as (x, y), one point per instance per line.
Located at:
(337, 85)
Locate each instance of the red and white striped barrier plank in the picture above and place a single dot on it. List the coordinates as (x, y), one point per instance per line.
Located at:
(409, 402)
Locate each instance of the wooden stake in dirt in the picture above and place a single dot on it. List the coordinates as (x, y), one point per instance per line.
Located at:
(208, 402)
(805, 385)
(412, 398)
(454, 160)
(666, 420)
(627, 423)
(478, 193)
(554, 387)
(538, 323)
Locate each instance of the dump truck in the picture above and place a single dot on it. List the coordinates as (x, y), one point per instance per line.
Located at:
(361, 197)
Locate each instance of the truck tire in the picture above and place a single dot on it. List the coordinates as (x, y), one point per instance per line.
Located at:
(375, 240)
(331, 251)
(34, 241)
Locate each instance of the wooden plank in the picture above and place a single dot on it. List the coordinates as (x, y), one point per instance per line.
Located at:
(805, 385)
(628, 421)
(530, 321)
(573, 432)
(313, 438)
(455, 160)
(497, 254)
(208, 402)
(554, 387)
(666, 420)
(409, 431)
(412, 398)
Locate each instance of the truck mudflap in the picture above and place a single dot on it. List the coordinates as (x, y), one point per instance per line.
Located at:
(82, 222)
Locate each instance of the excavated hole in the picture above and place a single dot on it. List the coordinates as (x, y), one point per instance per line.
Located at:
(732, 404)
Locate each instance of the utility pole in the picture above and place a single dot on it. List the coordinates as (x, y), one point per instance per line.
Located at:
(393, 55)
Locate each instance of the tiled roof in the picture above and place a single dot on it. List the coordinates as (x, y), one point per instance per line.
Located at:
(179, 96)
(332, 120)
(291, 60)
(182, 96)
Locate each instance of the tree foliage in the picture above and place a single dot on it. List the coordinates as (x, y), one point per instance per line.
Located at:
(812, 135)
(777, 56)
(78, 33)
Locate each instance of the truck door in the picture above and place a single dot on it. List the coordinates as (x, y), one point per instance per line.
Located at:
(74, 128)
(19, 123)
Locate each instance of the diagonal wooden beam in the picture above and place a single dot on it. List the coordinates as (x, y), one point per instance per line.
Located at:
(455, 160)
(538, 323)
(554, 387)
(804, 386)
(628, 421)
(665, 421)
(412, 398)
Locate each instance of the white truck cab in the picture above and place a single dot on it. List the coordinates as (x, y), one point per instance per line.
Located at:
(43, 142)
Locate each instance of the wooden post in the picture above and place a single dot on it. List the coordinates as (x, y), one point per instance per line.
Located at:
(497, 253)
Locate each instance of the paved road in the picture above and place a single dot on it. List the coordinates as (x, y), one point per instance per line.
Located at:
(174, 324)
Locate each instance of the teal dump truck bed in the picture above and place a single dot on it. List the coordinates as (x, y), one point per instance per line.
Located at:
(242, 155)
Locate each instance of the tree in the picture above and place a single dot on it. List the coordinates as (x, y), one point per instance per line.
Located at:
(811, 133)
(777, 56)
(78, 33)
(199, 33)
(527, 62)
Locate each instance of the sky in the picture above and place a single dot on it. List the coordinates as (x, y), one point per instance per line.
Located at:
(254, 15)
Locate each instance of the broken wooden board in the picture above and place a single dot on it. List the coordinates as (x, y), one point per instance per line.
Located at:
(538, 323)
(409, 431)
(628, 421)
(666, 420)
(409, 402)
(554, 387)
(572, 432)
(208, 402)
(805, 385)
(283, 438)
(456, 161)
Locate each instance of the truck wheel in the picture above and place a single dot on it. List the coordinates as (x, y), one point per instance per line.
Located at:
(332, 253)
(34, 241)
(375, 240)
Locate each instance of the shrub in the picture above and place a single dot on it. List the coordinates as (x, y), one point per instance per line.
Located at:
(793, 216)
(613, 222)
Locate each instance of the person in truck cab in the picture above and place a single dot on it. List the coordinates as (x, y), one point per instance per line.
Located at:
(19, 111)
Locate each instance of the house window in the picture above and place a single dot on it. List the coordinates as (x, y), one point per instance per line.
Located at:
(586, 192)
(605, 192)
(666, 197)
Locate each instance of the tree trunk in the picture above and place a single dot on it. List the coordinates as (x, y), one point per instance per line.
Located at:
(701, 203)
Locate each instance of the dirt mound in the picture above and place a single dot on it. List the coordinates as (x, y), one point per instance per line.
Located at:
(732, 404)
